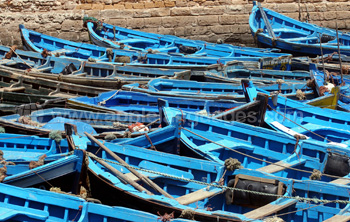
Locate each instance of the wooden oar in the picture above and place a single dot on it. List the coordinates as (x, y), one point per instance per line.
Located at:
(137, 174)
(120, 175)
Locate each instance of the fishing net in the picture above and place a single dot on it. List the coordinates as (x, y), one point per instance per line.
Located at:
(97, 23)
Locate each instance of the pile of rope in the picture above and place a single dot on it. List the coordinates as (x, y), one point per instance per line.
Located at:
(9, 54)
(127, 134)
(322, 90)
(300, 95)
(40, 162)
(232, 164)
(83, 192)
(97, 23)
(56, 135)
(311, 83)
(280, 81)
(110, 137)
(187, 214)
(3, 171)
(316, 175)
(3, 161)
(27, 120)
(122, 59)
(119, 125)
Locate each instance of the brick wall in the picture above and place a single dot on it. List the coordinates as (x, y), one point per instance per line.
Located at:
(197, 19)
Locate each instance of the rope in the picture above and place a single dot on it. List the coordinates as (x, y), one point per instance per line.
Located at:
(315, 200)
(42, 178)
(104, 101)
(150, 141)
(154, 122)
(266, 161)
(20, 58)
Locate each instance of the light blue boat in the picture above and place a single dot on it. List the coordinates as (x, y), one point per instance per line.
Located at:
(55, 171)
(145, 104)
(294, 117)
(37, 42)
(80, 71)
(122, 38)
(191, 183)
(271, 29)
(254, 147)
(32, 205)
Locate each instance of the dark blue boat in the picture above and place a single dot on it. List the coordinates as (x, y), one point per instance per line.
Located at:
(100, 122)
(141, 103)
(271, 29)
(35, 41)
(196, 89)
(191, 182)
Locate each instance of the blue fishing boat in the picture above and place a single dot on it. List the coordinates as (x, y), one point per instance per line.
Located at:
(271, 29)
(79, 71)
(41, 121)
(205, 89)
(121, 38)
(22, 147)
(254, 147)
(259, 76)
(141, 103)
(107, 35)
(187, 183)
(38, 42)
(43, 171)
(42, 205)
(325, 85)
(295, 117)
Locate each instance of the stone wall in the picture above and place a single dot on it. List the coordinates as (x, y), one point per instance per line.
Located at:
(197, 19)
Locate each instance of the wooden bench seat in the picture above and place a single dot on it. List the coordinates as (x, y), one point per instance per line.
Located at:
(197, 196)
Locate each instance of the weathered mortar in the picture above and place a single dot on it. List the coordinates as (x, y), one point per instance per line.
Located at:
(198, 19)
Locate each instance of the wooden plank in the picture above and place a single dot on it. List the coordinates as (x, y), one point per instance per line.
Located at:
(273, 168)
(339, 218)
(342, 181)
(131, 176)
(268, 209)
(196, 196)
(14, 89)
